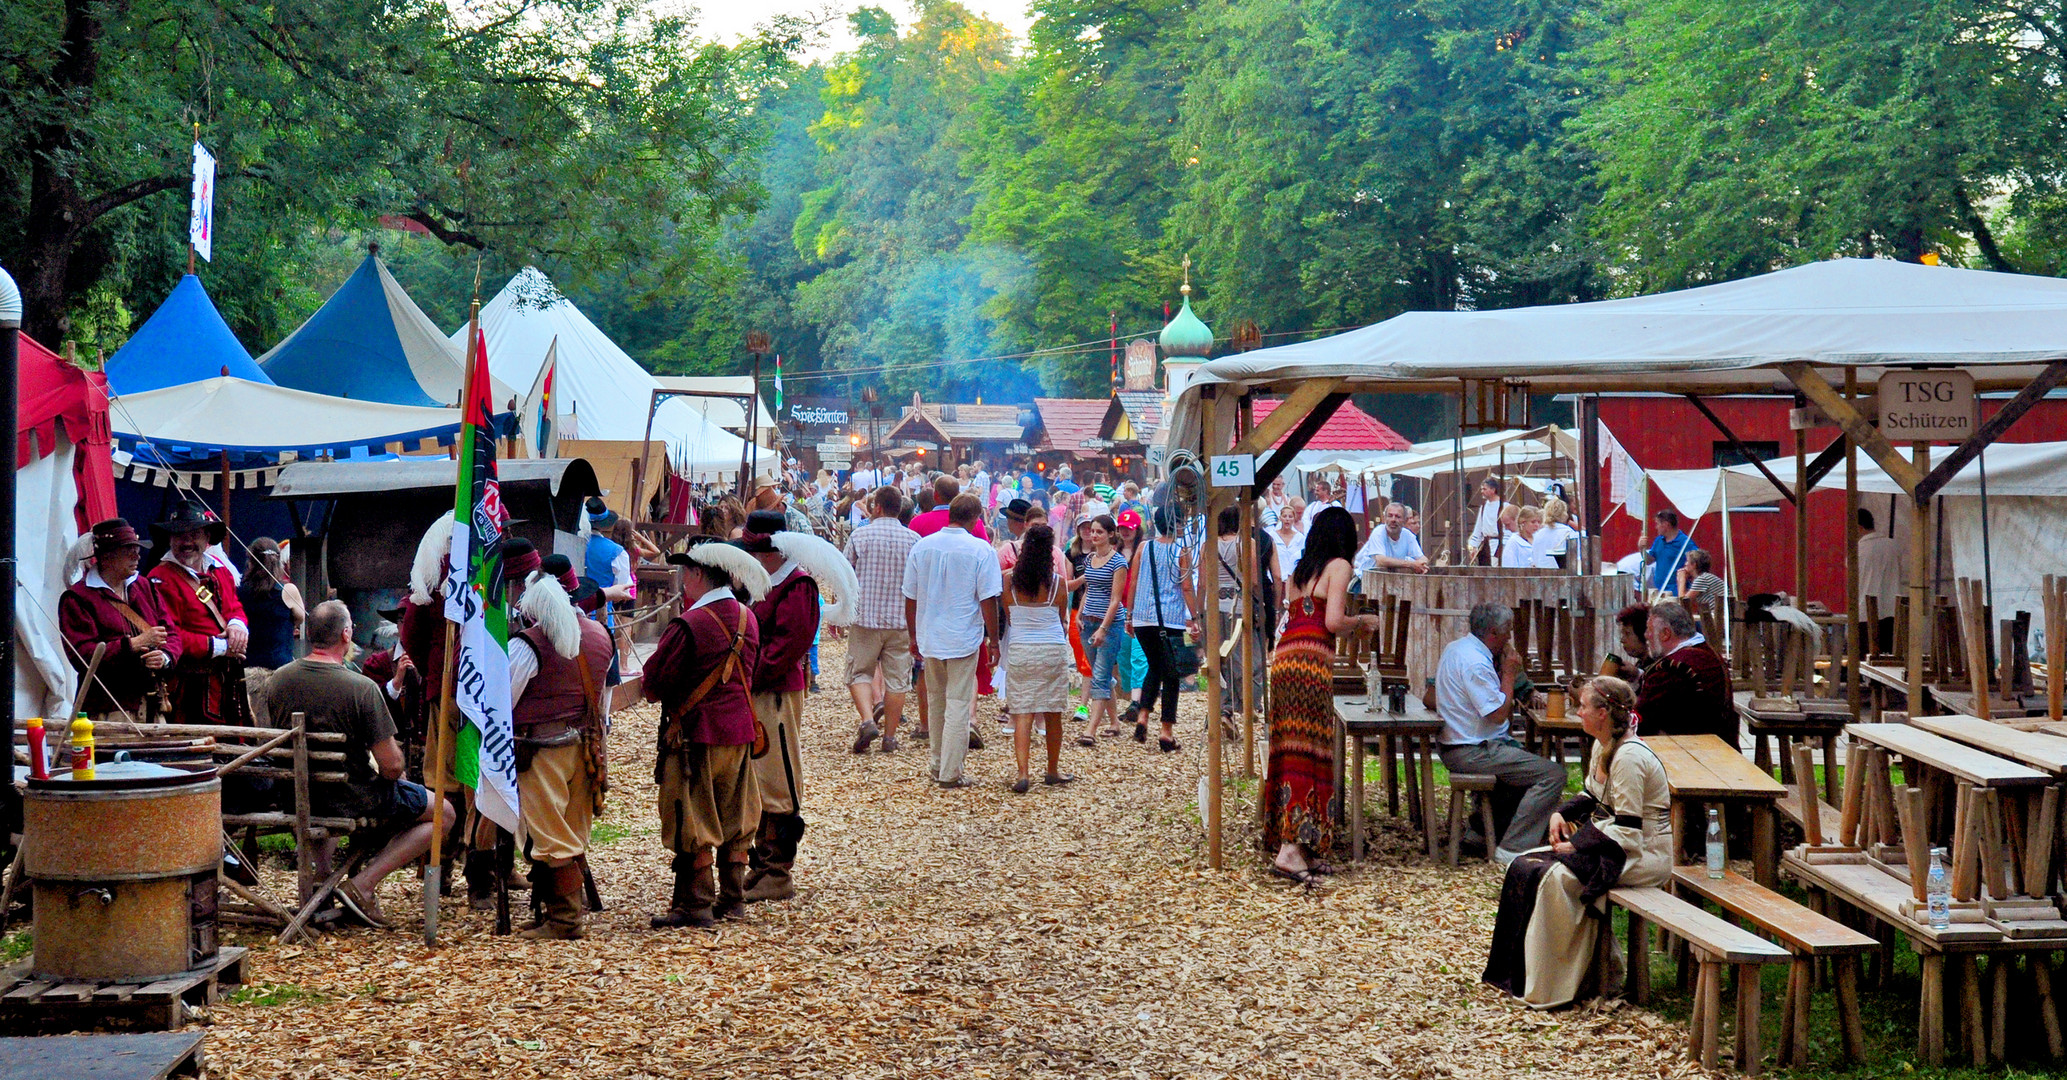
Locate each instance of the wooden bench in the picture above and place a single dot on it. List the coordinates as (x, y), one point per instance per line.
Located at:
(1806, 934)
(1461, 786)
(1715, 944)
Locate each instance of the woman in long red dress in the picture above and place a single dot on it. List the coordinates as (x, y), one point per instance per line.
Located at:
(1298, 822)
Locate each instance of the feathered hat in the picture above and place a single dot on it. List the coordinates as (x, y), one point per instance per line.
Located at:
(433, 554)
(745, 572)
(546, 604)
(827, 567)
(113, 534)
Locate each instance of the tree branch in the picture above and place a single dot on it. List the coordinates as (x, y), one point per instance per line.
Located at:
(445, 232)
(131, 192)
(1984, 238)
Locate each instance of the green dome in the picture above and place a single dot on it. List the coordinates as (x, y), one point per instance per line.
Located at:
(1185, 334)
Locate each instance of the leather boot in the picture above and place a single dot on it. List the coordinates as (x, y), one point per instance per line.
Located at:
(542, 875)
(775, 884)
(480, 875)
(562, 904)
(731, 890)
(694, 893)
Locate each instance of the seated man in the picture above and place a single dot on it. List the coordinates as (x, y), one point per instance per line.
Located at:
(1474, 693)
(333, 697)
(1391, 547)
(1686, 690)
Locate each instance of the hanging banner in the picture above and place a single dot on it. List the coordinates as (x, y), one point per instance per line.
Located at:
(201, 218)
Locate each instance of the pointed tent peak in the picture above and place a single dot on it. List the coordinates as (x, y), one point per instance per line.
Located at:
(370, 342)
(184, 341)
(530, 288)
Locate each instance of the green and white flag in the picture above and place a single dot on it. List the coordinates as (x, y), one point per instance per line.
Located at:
(485, 756)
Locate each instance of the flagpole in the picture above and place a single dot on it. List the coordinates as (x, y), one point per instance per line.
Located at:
(434, 757)
(190, 231)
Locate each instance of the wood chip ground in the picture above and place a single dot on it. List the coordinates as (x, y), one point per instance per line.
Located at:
(1072, 931)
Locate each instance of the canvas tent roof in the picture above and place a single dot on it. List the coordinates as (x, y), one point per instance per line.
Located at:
(184, 341)
(1482, 451)
(1865, 312)
(605, 391)
(370, 342)
(2014, 469)
(240, 416)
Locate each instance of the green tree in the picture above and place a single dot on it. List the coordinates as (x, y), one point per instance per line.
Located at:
(585, 130)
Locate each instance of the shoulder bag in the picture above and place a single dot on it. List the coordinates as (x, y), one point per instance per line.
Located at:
(1184, 656)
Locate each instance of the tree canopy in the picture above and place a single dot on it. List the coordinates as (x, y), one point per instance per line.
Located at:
(944, 209)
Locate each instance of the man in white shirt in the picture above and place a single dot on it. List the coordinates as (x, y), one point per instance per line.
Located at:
(1880, 577)
(1323, 497)
(1474, 694)
(1487, 527)
(1391, 546)
(951, 587)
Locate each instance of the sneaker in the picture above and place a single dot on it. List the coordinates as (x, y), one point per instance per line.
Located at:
(888, 745)
(866, 735)
(975, 740)
(1083, 713)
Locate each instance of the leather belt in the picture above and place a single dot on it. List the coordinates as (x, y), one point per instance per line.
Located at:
(549, 734)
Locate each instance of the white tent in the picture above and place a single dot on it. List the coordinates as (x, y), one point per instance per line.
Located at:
(599, 391)
(1865, 312)
(44, 494)
(724, 412)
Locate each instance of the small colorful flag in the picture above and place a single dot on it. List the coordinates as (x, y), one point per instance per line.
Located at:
(542, 408)
(778, 384)
(201, 218)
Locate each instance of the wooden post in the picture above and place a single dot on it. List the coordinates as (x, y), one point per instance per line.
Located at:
(1244, 422)
(1801, 527)
(304, 854)
(1919, 592)
(1589, 467)
(1209, 619)
(2055, 644)
(1855, 643)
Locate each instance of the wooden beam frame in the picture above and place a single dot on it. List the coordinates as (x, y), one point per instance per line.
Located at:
(1268, 470)
(1868, 438)
(1742, 450)
(1820, 466)
(1285, 417)
(2011, 411)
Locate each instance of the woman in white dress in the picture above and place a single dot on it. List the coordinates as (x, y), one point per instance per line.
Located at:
(1618, 832)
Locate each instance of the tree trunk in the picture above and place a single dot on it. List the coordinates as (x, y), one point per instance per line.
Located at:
(57, 213)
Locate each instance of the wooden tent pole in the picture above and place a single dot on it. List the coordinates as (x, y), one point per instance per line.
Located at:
(1919, 594)
(1209, 619)
(1801, 520)
(1855, 605)
(1245, 419)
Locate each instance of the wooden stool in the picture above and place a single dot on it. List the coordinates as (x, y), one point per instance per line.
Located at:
(1460, 785)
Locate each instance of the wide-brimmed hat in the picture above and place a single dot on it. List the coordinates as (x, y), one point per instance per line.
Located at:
(1017, 508)
(761, 526)
(191, 517)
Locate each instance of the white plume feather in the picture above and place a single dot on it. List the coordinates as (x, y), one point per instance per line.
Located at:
(744, 568)
(827, 567)
(1794, 617)
(76, 556)
(546, 604)
(426, 574)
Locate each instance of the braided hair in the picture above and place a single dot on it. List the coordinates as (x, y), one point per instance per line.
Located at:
(1619, 699)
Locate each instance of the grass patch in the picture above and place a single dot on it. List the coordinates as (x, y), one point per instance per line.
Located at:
(276, 994)
(1374, 773)
(607, 832)
(15, 946)
(276, 844)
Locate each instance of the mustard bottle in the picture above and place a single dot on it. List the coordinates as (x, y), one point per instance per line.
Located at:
(82, 748)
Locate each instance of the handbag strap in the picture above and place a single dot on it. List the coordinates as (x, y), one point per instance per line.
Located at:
(1155, 584)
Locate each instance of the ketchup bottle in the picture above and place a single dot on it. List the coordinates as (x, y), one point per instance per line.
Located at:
(39, 757)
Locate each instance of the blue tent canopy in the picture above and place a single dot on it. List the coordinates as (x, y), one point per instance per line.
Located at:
(369, 342)
(184, 341)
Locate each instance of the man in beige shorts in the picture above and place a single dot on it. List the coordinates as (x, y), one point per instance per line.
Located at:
(879, 637)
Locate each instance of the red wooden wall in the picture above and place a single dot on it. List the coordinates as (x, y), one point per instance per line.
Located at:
(1669, 433)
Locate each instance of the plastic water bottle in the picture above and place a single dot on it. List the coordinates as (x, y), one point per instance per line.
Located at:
(1715, 847)
(1938, 891)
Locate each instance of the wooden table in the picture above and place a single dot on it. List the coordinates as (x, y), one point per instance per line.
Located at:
(1882, 681)
(1817, 720)
(1886, 898)
(1411, 734)
(1962, 702)
(103, 1057)
(2039, 749)
(1703, 768)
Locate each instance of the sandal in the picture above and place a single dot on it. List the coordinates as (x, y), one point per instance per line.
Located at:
(1323, 868)
(1021, 786)
(1086, 740)
(1167, 745)
(1058, 779)
(1141, 732)
(1303, 877)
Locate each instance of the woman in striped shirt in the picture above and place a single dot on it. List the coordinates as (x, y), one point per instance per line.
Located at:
(1102, 619)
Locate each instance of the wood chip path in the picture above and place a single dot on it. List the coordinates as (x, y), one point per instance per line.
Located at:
(1072, 931)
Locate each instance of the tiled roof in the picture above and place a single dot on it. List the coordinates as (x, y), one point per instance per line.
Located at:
(969, 423)
(1143, 409)
(1350, 428)
(1067, 423)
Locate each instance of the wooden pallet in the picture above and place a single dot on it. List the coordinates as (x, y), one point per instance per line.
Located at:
(29, 1004)
(103, 1057)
